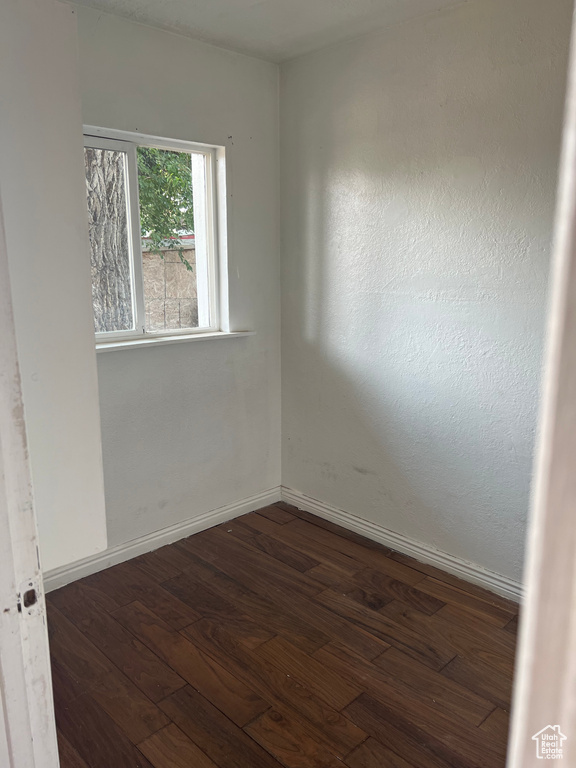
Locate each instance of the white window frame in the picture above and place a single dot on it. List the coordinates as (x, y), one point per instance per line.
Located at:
(207, 240)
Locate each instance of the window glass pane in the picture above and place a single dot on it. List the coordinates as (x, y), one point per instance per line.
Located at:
(109, 239)
(169, 243)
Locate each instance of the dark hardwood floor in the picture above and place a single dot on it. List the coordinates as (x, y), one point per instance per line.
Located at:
(280, 639)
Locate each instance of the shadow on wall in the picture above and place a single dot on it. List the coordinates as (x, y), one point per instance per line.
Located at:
(416, 255)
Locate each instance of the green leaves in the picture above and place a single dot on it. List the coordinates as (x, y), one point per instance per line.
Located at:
(165, 188)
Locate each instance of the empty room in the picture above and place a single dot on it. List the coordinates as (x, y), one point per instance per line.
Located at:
(287, 396)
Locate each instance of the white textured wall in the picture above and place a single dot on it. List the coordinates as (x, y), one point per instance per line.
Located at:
(42, 186)
(188, 428)
(418, 180)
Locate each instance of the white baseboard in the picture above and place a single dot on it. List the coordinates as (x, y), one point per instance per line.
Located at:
(471, 572)
(476, 574)
(58, 577)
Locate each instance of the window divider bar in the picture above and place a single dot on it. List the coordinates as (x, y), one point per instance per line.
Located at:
(136, 240)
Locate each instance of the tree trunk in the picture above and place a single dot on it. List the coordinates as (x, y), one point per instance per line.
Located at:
(109, 242)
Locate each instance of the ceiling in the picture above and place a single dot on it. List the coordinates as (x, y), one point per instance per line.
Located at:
(276, 30)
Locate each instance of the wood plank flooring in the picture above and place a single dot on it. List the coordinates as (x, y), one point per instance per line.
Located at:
(280, 639)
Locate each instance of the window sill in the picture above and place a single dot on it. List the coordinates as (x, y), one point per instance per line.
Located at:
(153, 341)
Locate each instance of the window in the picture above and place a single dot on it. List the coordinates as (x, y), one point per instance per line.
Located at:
(152, 230)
